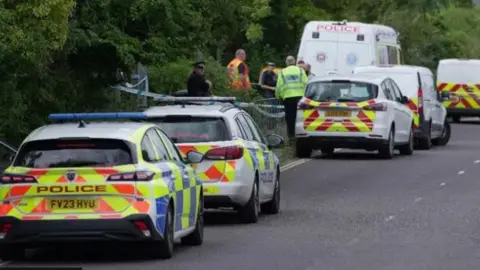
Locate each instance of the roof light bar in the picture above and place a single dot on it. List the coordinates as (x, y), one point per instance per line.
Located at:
(96, 116)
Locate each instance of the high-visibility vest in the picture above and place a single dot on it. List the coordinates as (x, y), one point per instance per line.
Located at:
(235, 75)
(275, 70)
(292, 82)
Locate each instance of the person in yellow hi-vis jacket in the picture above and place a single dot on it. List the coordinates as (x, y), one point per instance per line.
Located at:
(291, 84)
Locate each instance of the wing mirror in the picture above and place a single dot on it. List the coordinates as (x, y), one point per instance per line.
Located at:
(274, 141)
(193, 157)
(444, 95)
(405, 100)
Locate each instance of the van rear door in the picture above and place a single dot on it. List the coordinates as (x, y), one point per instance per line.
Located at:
(353, 49)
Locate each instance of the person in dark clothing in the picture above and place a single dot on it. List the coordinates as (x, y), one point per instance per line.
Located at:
(197, 85)
(269, 81)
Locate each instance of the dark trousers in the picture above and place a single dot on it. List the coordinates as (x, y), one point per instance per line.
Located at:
(290, 106)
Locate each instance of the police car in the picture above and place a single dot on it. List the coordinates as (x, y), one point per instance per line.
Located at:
(361, 112)
(239, 168)
(112, 181)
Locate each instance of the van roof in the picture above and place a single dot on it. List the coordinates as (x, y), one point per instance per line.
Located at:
(394, 69)
(459, 61)
(375, 27)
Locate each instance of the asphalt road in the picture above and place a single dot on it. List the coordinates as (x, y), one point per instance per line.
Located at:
(352, 211)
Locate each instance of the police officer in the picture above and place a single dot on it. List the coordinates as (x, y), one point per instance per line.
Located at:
(290, 88)
(197, 85)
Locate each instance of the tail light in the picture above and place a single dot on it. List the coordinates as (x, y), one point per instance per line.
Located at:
(225, 153)
(7, 178)
(5, 229)
(304, 106)
(376, 107)
(132, 176)
(420, 100)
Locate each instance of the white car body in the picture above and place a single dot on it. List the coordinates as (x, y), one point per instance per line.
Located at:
(330, 46)
(323, 124)
(227, 182)
(418, 84)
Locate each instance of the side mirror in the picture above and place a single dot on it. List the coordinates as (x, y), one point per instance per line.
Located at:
(193, 157)
(444, 95)
(274, 141)
(405, 100)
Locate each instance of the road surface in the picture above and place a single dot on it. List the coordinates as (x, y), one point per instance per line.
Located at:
(352, 211)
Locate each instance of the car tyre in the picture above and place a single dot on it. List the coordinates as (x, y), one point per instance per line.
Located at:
(327, 151)
(456, 119)
(163, 249)
(273, 206)
(12, 253)
(196, 237)
(426, 143)
(386, 151)
(302, 150)
(407, 149)
(445, 137)
(249, 212)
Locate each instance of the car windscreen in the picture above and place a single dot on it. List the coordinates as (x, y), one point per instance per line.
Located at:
(341, 91)
(193, 129)
(74, 153)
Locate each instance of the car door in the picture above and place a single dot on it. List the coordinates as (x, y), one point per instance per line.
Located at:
(164, 162)
(190, 180)
(268, 169)
(255, 152)
(7, 153)
(402, 114)
(435, 103)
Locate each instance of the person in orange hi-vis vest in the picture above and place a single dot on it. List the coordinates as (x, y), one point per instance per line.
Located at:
(238, 71)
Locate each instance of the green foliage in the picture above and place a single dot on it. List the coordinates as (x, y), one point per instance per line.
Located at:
(63, 55)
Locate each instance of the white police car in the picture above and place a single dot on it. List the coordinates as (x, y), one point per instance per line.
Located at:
(239, 169)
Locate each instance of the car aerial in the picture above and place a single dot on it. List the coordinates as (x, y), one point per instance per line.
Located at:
(418, 84)
(361, 112)
(100, 181)
(239, 169)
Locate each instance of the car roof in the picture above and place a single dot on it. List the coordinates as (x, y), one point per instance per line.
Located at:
(97, 130)
(368, 78)
(200, 110)
(394, 68)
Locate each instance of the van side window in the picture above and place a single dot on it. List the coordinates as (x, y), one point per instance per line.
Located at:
(392, 55)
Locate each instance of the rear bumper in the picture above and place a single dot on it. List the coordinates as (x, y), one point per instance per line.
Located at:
(227, 194)
(318, 142)
(82, 230)
(462, 112)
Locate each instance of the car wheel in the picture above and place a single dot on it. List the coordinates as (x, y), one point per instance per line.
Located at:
(12, 253)
(273, 206)
(196, 237)
(426, 143)
(456, 119)
(386, 151)
(408, 148)
(327, 150)
(445, 137)
(163, 249)
(302, 150)
(249, 213)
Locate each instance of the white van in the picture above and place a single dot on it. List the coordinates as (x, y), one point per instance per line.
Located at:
(418, 84)
(461, 78)
(340, 46)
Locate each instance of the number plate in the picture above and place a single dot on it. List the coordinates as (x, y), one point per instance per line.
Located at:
(338, 114)
(61, 204)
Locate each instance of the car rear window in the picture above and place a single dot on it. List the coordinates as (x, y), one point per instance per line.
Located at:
(193, 129)
(74, 153)
(341, 91)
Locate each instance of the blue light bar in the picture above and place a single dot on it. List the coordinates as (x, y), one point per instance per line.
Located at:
(96, 116)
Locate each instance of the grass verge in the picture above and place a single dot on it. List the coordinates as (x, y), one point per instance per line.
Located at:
(285, 154)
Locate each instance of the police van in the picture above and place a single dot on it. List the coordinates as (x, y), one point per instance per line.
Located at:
(338, 47)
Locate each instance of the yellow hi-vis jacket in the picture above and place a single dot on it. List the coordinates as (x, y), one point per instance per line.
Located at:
(291, 82)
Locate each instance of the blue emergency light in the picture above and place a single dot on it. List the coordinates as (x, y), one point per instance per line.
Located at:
(96, 116)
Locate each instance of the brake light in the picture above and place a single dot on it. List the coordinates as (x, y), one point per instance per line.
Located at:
(304, 106)
(376, 107)
(132, 176)
(5, 229)
(225, 153)
(420, 100)
(8, 178)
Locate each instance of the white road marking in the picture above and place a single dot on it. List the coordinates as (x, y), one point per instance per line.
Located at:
(389, 218)
(295, 163)
(461, 172)
(442, 184)
(476, 161)
(417, 200)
